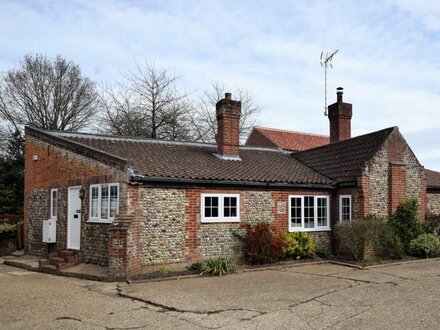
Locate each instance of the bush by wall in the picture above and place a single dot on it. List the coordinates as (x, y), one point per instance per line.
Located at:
(353, 236)
(405, 222)
(298, 245)
(432, 224)
(426, 245)
(262, 244)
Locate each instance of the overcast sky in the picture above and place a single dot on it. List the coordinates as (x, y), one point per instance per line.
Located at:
(388, 60)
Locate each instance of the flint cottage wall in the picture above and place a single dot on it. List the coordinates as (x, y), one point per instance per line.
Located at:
(433, 202)
(170, 229)
(393, 175)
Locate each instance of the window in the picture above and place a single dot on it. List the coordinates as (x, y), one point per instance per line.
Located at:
(308, 213)
(53, 203)
(344, 208)
(220, 208)
(104, 202)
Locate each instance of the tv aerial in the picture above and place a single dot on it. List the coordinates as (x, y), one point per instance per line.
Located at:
(326, 62)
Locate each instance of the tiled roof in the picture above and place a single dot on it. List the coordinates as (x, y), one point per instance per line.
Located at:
(288, 140)
(181, 160)
(342, 161)
(432, 178)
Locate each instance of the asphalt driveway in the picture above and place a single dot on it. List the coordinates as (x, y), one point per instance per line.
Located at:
(321, 296)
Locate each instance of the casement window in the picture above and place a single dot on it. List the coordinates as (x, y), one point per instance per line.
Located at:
(344, 208)
(308, 213)
(53, 203)
(104, 202)
(220, 208)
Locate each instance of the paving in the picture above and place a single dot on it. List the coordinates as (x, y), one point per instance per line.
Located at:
(323, 296)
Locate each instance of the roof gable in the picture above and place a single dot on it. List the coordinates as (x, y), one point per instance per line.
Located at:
(343, 161)
(288, 140)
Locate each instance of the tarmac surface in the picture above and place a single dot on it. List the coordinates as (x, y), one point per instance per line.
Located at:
(323, 296)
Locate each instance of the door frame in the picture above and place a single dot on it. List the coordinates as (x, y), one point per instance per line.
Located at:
(69, 189)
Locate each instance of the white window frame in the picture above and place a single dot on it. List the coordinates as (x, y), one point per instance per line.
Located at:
(340, 207)
(315, 206)
(98, 218)
(52, 202)
(221, 217)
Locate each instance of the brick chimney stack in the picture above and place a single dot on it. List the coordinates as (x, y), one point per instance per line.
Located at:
(340, 114)
(228, 133)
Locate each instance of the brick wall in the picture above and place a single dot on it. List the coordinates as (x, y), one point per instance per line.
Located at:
(60, 168)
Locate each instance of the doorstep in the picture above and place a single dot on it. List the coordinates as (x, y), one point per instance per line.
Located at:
(82, 270)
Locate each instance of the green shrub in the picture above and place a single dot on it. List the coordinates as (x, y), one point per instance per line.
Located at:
(262, 243)
(6, 227)
(217, 266)
(432, 224)
(291, 245)
(426, 245)
(352, 237)
(386, 243)
(306, 245)
(405, 222)
(297, 245)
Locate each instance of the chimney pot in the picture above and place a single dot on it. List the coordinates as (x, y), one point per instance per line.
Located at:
(228, 96)
(339, 92)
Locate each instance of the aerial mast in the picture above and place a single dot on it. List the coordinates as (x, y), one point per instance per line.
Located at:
(326, 62)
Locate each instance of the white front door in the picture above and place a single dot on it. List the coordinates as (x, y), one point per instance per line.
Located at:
(73, 218)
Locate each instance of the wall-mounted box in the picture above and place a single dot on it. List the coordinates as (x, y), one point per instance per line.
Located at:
(50, 231)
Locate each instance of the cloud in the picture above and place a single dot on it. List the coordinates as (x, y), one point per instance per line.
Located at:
(388, 62)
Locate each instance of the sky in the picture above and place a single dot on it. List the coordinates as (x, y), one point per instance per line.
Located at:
(388, 61)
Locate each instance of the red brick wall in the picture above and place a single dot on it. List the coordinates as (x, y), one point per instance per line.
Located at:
(397, 185)
(60, 168)
(340, 128)
(228, 134)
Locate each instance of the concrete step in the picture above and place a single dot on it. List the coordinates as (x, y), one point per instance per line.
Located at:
(64, 265)
(66, 253)
(70, 259)
(49, 267)
(43, 262)
(56, 260)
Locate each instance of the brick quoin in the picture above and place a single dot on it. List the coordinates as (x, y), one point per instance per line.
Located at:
(397, 185)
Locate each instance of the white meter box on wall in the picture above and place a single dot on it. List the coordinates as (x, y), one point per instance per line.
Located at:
(50, 231)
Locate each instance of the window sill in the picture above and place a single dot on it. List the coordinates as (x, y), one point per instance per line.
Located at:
(100, 221)
(292, 230)
(220, 220)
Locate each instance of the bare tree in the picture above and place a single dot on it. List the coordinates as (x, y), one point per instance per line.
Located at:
(149, 105)
(50, 94)
(204, 117)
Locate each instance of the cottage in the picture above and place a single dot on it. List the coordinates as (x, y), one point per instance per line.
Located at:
(127, 203)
